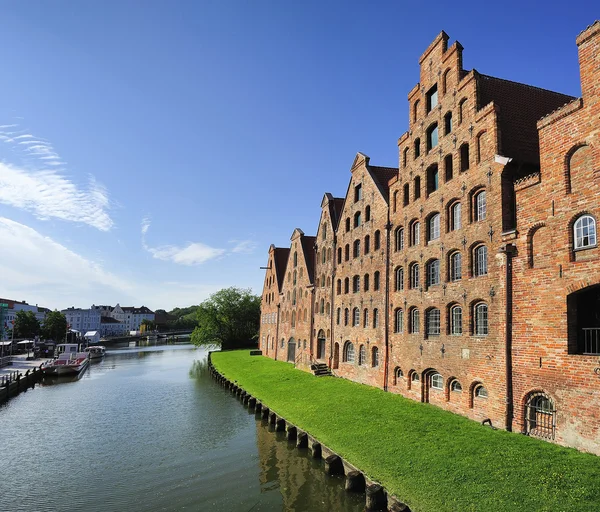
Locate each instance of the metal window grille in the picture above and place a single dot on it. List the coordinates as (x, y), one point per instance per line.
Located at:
(481, 260)
(433, 322)
(480, 206)
(356, 284)
(349, 353)
(481, 320)
(415, 321)
(356, 319)
(540, 416)
(375, 318)
(433, 273)
(456, 267)
(366, 316)
(456, 319)
(375, 357)
(591, 340)
(362, 355)
(399, 279)
(399, 320)
(585, 232)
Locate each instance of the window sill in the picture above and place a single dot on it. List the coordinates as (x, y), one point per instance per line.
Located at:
(586, 248)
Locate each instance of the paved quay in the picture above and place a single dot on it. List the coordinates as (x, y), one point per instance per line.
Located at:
(21, 365)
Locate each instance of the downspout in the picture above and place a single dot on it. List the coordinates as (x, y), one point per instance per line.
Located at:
(277, 331)
(388, 228)
(509, 250)
(333, 299)
(312, 320)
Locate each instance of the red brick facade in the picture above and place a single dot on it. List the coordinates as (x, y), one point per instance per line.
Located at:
(468, 277)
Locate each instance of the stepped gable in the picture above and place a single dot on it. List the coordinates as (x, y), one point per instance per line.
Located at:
(281, 255)
(308, 248)
(521, 106)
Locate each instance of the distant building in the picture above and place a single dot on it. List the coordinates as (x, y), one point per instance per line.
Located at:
(82, 320)
(10, 313)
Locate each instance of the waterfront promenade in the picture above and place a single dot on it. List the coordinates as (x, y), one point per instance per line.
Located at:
(20, 364)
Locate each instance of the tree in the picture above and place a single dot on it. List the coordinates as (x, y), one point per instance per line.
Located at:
(229, 318)
(55, 326)
(26, 324)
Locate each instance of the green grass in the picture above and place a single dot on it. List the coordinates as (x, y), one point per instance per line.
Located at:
(429, 458)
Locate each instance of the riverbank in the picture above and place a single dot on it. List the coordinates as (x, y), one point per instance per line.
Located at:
(429, 458)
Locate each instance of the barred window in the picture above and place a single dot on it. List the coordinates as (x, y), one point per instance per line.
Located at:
(374, 357)
(366, 318)
(414, 321)
(399, 321)
(456, 320)
(455, 266)
(366, 283)
(481, 319)
(356, 249)
(480, 261)
(414, 275)
(348, 352)
(367, 246)
(356, 284)
(399, 279)
(585, 232)
(362, 355)
(433, 227)
(377, 241)
(480, 206)
(433, 273)
(346, 316)
(433, 322)
(356, 317)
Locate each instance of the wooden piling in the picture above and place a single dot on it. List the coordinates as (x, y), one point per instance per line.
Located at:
(302, 440)
(316, 450)
(355, 482)
(376, 499)
(292, 433)
(334, 465)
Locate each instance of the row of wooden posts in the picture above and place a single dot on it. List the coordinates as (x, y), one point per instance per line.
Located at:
(11, 384)
(376, 498)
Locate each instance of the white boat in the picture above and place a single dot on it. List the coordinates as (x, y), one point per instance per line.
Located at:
(96, 351)
(69, 360)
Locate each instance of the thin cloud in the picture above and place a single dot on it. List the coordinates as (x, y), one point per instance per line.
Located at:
(243, 246)
(40, 185)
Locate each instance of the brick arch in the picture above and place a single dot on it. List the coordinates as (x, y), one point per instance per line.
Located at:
(532, 244)
(445, 75)
(425, 386)
(449, 381)
(396, 369)
(587, 155)
(471, 195)
(522, 404)
(472, 387)
(571, 225)
(481, 136)
(409, 377)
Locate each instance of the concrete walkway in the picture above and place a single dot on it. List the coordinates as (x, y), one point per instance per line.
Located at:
(21, 365)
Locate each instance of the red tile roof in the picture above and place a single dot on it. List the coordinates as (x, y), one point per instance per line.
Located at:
(280, 256)
(308, 248)
(381, 177)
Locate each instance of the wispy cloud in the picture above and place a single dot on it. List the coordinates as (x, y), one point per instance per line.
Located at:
(243, 246)
(40, 184)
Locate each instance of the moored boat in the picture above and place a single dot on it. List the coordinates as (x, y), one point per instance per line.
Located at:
(69, 361)
(95, 351)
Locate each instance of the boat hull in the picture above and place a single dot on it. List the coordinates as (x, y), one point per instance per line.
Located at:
(68, 368)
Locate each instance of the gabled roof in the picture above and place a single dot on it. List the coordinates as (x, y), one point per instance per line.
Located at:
(280, 258)
(135, 310)
(521, 106)
(335, 211)
(381, 177)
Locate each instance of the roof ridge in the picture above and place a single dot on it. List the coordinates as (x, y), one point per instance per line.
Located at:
(529, 86)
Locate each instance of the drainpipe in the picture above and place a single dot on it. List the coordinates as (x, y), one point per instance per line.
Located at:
(277, 331)
(312, 318)
(388, 228)
(333, 300)
(509, 250)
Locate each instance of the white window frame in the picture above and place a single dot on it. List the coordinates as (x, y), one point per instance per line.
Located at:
(456, 320)
(437, 382)
(434, 227)
(455, 266)
(480, 206)
(481, 317)
(480, 260)
(455, 216)
(584, 232)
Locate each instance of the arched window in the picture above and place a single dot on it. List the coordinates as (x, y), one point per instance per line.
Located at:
(405, 158)
(584, 232)
(399, 274)
(433, 227)
(414, 321)
(399, 321)
(339, 286)
(357, 219)
(294, 298)
(464, 157)
(415, 233)
(346, 316)
(445, 81)
(356, 249)
(398, 374)
(327, 309)
(367, 213)
(347, 224)
(348, 356)
(323, 255)
(462, 110)
(375, 318)
(356, 284)
(414, 377)
(295, 259)
(338, 316)
(377, 242)
(455, 216)
(448, 167)
(448, 123)
(455, 266)
(347, 252)
(322, 306)
(432, 136)
(480, 392)
(433, 179)
(417, 187)
(480, 315)
(455, 387)
(540, 416)
(324, 232)
(456, 320)
(347, 285)
(406, 198)
(339, 255)
(414, 275)
(437, 381)
(479, 206)
(399, 239)
(293, 319)
(366, 282)
(480, 267)
(366, 318)
(433, 273)
(432, 98)
(367, 247)
(432, 322)
(358, 193)
(376, 281)
(295, 278)
(356, 317)
(374, 357)
(362, 355)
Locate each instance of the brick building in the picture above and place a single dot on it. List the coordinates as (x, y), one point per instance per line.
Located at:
(468, 277)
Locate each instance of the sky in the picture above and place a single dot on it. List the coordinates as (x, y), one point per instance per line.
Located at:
(152, 151)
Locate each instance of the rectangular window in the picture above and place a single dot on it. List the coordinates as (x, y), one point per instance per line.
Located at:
(433, 322)
(357, 193)
(456, 328)
(432, 98)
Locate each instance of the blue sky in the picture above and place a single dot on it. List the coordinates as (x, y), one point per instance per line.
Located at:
(150, 152)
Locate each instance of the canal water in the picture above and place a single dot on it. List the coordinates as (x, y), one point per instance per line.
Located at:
(147, 429)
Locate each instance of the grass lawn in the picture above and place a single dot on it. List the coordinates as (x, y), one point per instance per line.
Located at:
(429, 458)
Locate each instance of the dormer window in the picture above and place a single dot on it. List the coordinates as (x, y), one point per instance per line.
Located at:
(432, 98)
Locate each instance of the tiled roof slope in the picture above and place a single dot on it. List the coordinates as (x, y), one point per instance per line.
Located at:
(281, 257)
(521, 106)
(335, 211)
(381, 177)
(133, 309)
(308, 247)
